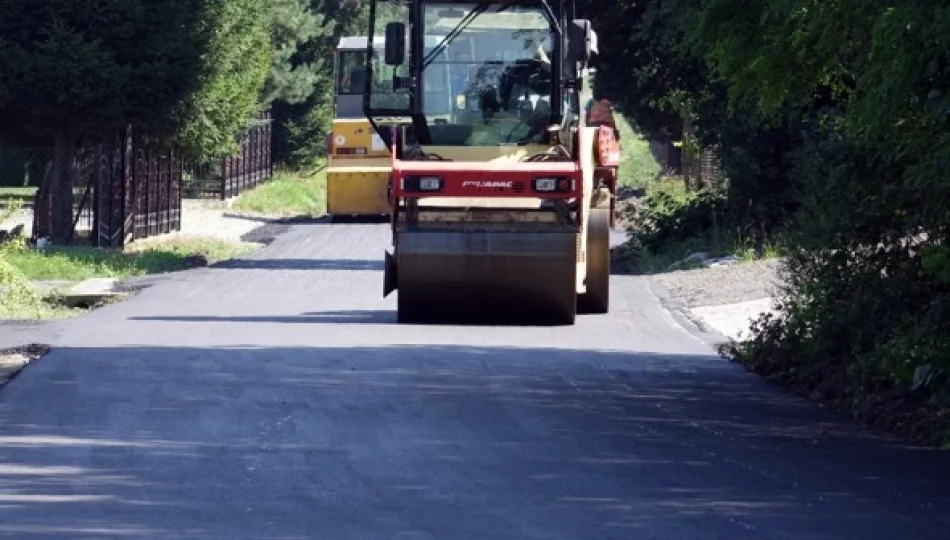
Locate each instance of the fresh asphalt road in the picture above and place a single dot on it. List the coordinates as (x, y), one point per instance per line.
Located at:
(274, 398)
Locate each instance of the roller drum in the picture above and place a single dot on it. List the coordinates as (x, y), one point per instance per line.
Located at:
(494, 277)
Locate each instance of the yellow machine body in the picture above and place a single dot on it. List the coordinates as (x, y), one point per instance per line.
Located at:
(358, 171)
(358, 161)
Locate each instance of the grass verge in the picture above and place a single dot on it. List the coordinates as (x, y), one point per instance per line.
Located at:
(287, 195)
(21, 264)
(148, 257)
(639, 168)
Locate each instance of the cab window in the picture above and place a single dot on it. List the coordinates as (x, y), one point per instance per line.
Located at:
(352, 75)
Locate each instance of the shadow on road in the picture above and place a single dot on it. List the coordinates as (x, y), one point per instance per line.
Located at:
(465, 442)
(461, 317)
(300, 264)
(382, 218)
(325, 317)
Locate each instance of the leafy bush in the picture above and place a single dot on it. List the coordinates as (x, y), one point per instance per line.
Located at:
(868, 298)
(672, 215)
(833, 123)
(16, 294)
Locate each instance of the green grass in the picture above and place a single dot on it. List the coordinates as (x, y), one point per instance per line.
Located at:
(716, 245)
(288, 194)
(638, 167)
(148, 257)
(16, 308)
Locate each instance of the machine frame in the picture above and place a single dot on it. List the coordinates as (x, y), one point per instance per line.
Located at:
(479, 225)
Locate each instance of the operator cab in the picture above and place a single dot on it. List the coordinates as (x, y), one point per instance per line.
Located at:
(498, 75)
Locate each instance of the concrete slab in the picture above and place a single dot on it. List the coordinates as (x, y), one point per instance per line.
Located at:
(91, 292)
(733, 320)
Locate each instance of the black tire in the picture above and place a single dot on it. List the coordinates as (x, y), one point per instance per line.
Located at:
(597, 298)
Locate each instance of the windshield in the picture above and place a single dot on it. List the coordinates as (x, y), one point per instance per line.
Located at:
(352, 72)
(351, 76)
(491, 82)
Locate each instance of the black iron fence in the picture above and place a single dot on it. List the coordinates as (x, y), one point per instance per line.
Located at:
(231, 176)
(131, 187)
(701, 167)
(124, 189)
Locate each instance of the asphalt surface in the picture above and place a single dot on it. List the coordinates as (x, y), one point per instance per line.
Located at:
(274, 398)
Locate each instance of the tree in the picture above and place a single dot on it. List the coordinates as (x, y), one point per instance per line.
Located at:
(300, 125)
(82, 68)
(76, 70)
(234, 68)
(293, 78)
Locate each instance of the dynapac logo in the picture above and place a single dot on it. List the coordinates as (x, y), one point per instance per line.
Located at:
(487, 184)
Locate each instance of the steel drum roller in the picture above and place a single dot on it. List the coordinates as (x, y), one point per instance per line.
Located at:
(501, 277)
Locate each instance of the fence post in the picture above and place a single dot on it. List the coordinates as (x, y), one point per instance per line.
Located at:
(224, 178)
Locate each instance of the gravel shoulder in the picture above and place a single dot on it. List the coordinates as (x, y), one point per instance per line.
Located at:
(719, 285)
(724, 299)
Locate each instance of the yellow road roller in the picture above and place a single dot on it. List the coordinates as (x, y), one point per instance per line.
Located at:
(358, 161)
(500, 194)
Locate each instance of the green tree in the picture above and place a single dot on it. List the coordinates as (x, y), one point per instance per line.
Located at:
(233, 70)
(300, 126)
(292, 78)
(835, 114)
(82, 68)
(76, 70)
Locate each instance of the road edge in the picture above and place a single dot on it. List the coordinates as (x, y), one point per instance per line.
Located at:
(686, 318)
(13, 360)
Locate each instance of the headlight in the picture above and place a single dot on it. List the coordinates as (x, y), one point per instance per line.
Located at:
(545, 184)
(553, 185)
(422, 183)
(430, 183)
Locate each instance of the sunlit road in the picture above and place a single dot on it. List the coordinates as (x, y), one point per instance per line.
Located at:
(274, 398)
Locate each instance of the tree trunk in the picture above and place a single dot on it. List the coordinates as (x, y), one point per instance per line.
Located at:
(40, 170)
(61, 187)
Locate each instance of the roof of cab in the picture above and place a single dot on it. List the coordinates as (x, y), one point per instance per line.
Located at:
(358, 43)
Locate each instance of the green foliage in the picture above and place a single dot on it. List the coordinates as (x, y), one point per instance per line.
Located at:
(638, 167)
(300, 129)
(292, 80)
(232, 74)
(92, 66)
(675, 215)
(75, 263)
(80, 70)
(301, 124)
(16, 295)
(287, 195)
(833, 124)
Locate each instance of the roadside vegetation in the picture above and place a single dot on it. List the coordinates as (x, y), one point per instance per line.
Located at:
(667, 220)
(76, 263)
(32, 279)
(833, 153)
(233, 59)
(287, 195)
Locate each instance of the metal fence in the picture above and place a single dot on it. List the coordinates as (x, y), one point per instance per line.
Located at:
(123, 189)
(701, 168)
(231, 176)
